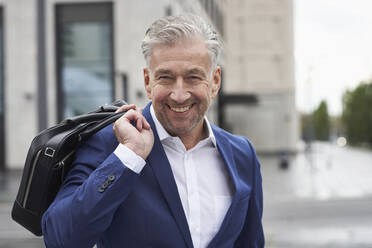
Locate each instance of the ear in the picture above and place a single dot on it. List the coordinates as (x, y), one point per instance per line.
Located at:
(146, 79)
(216, 82)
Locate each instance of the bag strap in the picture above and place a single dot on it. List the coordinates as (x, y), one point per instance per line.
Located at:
(110, 107)
(100, 113)
(112, 117)
(91, 117)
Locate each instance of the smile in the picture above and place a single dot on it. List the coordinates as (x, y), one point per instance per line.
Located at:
(180, 109)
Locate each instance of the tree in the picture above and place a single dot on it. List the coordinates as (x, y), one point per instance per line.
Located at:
(316, 125)
(357, 114)
(321, 122)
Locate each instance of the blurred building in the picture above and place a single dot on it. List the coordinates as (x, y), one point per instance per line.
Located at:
(259, 65)
(65, 57)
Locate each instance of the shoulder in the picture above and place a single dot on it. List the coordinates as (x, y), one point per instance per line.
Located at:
(105, 135)
(241, 148)
(236, 141)
(100, 144)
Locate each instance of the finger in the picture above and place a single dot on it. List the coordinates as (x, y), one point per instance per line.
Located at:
(146, 125)
(131, 115)
(126, 108)
(126, 118)
(120, 122)
(139, 124)
(135, 117)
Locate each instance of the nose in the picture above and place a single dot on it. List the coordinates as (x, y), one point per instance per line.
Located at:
(179, 92)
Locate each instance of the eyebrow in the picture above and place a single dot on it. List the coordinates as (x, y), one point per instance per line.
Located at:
(195, 71)
(162, 71)
(188, 72)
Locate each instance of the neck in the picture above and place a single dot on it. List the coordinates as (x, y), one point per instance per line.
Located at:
(192, 138)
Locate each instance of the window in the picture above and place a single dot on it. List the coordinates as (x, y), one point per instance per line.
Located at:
(84, 57)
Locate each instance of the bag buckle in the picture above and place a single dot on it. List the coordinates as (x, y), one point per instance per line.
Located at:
(49, 152)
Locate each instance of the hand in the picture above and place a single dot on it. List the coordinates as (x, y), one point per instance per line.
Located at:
(138, 138)
(126, 108)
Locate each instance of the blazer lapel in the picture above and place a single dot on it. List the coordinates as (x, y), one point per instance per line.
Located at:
(224, 147)
(163, 173)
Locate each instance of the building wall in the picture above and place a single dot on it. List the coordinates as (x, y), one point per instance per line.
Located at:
(270, 125)
(20, 78)
(260, 61)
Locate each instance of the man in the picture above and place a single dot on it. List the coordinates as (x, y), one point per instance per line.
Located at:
(164, 177)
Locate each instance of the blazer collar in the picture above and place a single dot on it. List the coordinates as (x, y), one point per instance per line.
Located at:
(225, 149)
(163, 172)
(160, 165)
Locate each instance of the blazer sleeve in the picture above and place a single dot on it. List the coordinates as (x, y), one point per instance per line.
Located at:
(94, 188)
(252, 235)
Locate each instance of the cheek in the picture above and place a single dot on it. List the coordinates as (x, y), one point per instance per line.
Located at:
(159, 93)
(204, 93)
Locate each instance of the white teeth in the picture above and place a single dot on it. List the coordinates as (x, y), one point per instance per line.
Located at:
(180, 110)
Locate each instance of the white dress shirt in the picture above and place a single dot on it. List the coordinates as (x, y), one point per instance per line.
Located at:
(202, 179)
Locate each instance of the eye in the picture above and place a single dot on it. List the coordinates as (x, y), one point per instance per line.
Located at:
(194, 77)
(163, 77)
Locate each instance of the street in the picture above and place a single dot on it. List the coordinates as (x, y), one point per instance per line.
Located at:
(324, 199)
(12, 235)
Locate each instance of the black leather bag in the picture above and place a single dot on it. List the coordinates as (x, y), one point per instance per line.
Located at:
(49, 158)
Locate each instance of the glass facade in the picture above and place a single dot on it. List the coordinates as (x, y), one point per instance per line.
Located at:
(85, 57)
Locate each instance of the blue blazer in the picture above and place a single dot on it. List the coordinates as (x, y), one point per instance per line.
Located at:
(105, 203)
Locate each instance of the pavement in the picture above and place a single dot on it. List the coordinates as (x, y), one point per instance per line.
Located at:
(322, 200)
(12, 235)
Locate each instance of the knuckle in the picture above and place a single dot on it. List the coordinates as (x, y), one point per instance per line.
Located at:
(122, 108)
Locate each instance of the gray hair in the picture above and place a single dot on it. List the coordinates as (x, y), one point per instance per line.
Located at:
(172, 29)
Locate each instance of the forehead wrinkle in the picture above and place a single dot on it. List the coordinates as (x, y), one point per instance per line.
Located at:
(162, 71)
(163, 50)
(195, 71)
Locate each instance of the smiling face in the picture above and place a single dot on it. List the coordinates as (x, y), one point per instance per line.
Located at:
(181, 84)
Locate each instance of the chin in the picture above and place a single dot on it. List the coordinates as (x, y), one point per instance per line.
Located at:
(183, 128)
(178, 130)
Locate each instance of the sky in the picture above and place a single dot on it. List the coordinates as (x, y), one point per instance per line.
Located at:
(333, 50)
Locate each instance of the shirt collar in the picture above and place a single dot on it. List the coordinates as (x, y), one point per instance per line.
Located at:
(163, 134)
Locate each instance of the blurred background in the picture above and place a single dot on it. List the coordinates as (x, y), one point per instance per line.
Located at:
(297, 81)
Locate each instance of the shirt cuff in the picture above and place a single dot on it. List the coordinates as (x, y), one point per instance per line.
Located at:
(129, 158)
